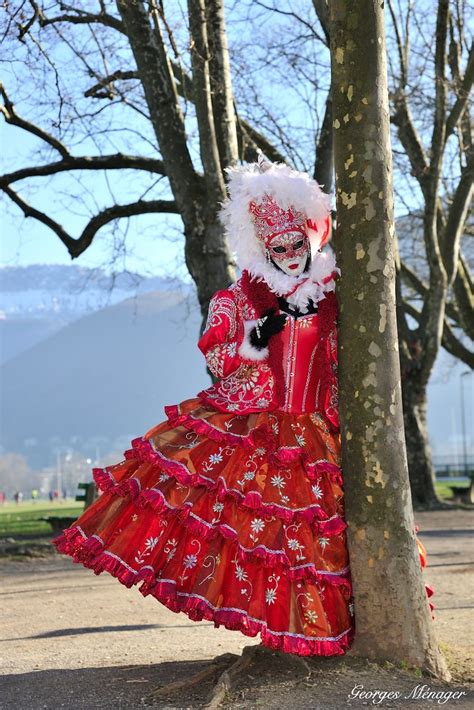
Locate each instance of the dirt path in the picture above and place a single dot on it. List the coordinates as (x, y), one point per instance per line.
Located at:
(74, 640)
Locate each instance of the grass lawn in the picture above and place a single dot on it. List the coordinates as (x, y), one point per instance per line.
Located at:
(23, 519)
(444, 491)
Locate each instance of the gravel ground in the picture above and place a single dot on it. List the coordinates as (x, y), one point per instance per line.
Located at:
(74, 640)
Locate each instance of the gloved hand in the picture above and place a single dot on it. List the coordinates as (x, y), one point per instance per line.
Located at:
(268, 324)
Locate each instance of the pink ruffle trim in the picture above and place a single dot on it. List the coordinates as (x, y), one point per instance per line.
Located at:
(202, 427)
(90, 553)
(143, 450)
(282, 455)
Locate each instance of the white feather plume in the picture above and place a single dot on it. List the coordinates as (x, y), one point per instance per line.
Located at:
(287, 186)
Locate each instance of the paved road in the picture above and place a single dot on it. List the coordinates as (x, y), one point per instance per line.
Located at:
(73, 639)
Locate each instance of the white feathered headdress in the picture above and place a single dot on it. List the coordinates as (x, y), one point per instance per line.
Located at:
(296, 194)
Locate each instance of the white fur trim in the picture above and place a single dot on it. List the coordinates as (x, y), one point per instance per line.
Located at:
(323, 264)
(246, 349)
(287, 187)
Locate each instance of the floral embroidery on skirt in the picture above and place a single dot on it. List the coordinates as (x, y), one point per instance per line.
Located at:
(237, 519)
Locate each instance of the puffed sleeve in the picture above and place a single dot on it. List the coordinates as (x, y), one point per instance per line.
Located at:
(220, 339)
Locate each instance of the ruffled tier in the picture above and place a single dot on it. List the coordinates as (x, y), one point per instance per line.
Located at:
(271, 462)
(429, 589)
(290, 549)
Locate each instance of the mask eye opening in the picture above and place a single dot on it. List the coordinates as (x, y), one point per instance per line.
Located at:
(279, 250)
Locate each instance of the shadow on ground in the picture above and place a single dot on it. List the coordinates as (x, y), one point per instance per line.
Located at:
(58, 633)
(273, 681)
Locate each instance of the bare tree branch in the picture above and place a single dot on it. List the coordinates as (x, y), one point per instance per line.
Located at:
(80, 18)
(457, 214)
(421, 288)
(11, 117)
(202, 100)
(76, 247)
(464, 294)
(432, 313)
(118, 161)
(463, 95)
(449, 340)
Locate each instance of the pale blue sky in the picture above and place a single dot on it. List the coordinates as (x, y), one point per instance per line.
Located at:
(154, 243)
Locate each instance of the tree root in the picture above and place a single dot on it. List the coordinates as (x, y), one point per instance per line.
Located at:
(210, 671)
(251, 655)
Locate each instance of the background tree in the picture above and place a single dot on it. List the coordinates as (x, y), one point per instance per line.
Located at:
(391, 608)
(443, 290)
(15, 475)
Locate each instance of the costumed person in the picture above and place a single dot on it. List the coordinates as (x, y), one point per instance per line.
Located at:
(232, 510)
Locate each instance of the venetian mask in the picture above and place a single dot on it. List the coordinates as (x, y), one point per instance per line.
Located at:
(289, 252)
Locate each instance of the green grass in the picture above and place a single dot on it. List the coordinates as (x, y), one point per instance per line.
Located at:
(444, 491)
(22, 519)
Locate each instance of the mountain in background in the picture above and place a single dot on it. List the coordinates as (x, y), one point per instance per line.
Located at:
(90, 368)
(38, 300)
(103, 379)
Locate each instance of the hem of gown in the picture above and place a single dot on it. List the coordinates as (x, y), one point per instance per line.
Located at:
(89, 552)
(142, 448)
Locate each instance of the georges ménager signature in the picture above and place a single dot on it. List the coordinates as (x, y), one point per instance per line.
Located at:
(420, 692)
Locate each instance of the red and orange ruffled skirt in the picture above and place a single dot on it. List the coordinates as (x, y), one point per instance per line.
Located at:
(236, 519)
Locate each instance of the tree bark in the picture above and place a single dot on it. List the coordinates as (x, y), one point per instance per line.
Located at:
(393, 620)
(221, 84)
(206, 251)
(420, 463)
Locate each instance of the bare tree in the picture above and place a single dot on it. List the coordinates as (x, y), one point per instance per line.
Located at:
(444, 306)
(392, 611)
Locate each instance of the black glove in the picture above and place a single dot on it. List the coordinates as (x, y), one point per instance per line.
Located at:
(272, 324)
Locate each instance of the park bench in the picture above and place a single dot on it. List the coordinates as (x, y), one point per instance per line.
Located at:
(463, 494)
(87, 492)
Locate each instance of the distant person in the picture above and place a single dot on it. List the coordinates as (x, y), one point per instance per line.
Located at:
(18, 497)
(3, 497)
(51, 496)
(34, 495)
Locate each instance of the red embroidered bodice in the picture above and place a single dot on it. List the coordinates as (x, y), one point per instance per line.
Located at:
(304, 343)
(296, 373)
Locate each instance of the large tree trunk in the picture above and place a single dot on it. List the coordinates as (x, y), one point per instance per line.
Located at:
(207, 254)
(420, 464)
(393, 620)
